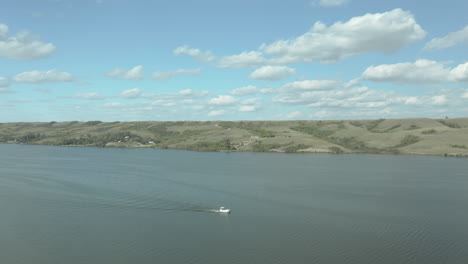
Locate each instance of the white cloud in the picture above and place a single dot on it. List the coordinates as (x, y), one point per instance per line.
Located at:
(183, 94)
(43, 77)
(294, 115)
(223, 100)
(359, 114)
(343, 101)
(334, 95)
(460, 73)
(186, 92)
(410, 100)
(352, 83)
(163, 102)
(311, 85)
(23, 46)
(358, 97)
(131, 93)
(272, 73)
(465, 94)
(246, 90)
(165, 75)
(250, 101)
(135, 73)
(248, 108)
(241, 61)
(267, 90)
(206, 56)
(216, 113)
(439, 100)
(114, 105)
(192, 93)
(379, 32)
(88, 96)
(452, 39)
(332, 3)
(421, 71)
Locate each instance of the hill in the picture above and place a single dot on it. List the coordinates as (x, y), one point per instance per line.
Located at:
(422, 136)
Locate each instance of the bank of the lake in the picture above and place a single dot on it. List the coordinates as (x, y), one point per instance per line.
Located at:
(418, 136)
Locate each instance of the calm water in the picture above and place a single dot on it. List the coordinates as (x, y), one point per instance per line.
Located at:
(92, 205)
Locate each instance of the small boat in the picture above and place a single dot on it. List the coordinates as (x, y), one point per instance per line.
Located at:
(224, 210)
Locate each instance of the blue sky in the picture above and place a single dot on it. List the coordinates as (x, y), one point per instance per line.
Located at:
(65, 60)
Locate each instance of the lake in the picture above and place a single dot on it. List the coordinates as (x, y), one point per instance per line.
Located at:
(100, 205)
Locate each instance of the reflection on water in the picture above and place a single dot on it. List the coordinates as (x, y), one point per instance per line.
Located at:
(92, 205)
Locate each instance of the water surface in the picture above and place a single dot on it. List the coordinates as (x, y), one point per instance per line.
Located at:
(97, 205)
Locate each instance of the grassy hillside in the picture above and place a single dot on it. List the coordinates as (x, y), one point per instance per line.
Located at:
(447, 137)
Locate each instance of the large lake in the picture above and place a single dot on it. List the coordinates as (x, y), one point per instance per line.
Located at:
(96, 205)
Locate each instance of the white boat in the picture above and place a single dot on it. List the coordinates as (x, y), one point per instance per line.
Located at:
(224, 210)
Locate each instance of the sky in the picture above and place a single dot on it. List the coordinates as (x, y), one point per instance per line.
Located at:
(122, 60)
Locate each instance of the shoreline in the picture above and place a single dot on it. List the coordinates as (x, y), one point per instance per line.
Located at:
(416, 136)
(233, 151)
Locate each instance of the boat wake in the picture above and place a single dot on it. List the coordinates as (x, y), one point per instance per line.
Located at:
(153, 205)
(51, 192)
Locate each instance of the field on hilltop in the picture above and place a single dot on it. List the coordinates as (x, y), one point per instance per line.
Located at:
(422, 136)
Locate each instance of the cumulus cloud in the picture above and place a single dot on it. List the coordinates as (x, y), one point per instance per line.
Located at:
(460, 73)
(131, 93)
(421, 71)
(113, 105)
(135, 73)
(23, 46)
(409, 100)
(332, 3)
(379, 32)
(223, 100)
(294, 114)
(311, 85)
(439, 100)
(183, 94)
(250, 101)
(192, 93)
(465, 95)
(204, 56)
(246, 90)
(165, 75)
(343, 101)
(272, 73)
(43, 77)
(244, 60)
(452, 39)
(216, 113)
(356, 97)
(268, 90)
(88, 96)
(333, 94)
(248, 108)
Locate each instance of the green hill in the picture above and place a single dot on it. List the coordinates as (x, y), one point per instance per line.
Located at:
(422, 136)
